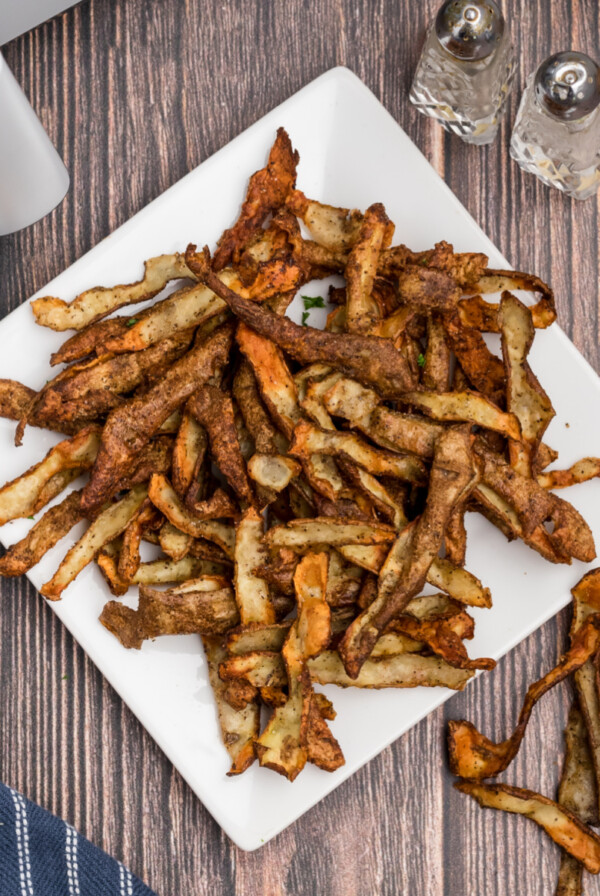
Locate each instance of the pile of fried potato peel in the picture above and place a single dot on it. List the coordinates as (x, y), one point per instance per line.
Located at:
(303, 485)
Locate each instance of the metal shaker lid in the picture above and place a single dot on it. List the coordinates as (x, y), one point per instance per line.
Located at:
(470, 29)
(567, 85)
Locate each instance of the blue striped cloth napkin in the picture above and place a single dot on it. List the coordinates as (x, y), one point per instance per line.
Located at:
(40, 855)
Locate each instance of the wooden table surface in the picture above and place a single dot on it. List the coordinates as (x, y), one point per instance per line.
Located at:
(134, 95)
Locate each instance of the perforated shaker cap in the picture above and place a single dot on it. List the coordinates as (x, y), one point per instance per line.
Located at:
(470, 29)
(567, 85)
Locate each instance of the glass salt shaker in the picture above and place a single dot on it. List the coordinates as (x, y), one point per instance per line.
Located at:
(557, 131)
(466, 69)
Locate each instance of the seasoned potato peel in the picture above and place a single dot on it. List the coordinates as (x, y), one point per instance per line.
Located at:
(299, 488)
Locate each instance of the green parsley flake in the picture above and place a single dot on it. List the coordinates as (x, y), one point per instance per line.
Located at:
(421, 360)
(313, 302)
(132, 321)
(424, 262)
(30, 517)
(305, 318)
(65, 677)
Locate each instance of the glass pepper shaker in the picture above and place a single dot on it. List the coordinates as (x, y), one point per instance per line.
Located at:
(557, 131)
(466, 69)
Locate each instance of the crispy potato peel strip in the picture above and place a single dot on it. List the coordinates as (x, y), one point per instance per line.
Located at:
(474, 756)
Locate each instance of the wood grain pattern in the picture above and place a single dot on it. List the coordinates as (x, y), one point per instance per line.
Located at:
(134, 95)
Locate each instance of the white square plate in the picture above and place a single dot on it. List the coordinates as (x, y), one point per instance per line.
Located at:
(352, 154)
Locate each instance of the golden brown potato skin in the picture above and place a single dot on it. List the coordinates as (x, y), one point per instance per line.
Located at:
(304, 485)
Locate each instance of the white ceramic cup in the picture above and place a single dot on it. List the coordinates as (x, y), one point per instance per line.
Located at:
(33, 178)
